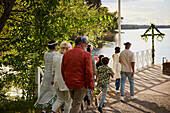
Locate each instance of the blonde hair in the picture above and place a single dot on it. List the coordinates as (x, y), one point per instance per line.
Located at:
(63, 47)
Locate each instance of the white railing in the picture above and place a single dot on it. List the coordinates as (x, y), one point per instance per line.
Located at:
(38, 74)
(143, 58)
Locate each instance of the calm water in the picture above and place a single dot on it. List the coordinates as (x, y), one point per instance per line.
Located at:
(162, 49)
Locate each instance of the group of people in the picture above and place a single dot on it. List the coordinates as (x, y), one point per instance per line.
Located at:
(70, 75)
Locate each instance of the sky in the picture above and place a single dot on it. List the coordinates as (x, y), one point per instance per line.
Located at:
(141, 12)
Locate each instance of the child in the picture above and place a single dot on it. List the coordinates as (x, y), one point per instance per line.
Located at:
(116, 68)
(98, 64)
(103, 76)
(99, 61)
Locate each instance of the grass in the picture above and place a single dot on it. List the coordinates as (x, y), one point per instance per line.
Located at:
(20, 106)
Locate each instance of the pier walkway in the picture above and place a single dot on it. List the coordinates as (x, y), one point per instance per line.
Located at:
(153, 91)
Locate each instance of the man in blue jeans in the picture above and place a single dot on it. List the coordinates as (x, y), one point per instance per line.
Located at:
(127, 60)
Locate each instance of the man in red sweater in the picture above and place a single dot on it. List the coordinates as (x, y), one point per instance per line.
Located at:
(77, 72)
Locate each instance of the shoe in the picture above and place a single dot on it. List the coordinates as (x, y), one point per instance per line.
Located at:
(133, 97)
(117, 91)
(62, 110)
(100, 109)
(103, 105)
(82, 106)
(43, 111)
(122, 98)
(51, 111)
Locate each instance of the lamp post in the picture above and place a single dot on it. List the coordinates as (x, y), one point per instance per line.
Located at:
(119, 25)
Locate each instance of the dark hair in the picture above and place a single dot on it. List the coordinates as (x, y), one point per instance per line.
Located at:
(127, 43)
(88, 48)
(105, 60)
(117, 49)
(100, 56)
(52, 46)
(78, 40)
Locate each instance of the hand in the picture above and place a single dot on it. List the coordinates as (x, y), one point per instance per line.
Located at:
(90, 87)
(132, 74)
(96, 80)
(52, 82)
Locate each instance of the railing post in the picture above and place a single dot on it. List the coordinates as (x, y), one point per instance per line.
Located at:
(38, 71)
(142, 61)
(137, 60)
(143, 58)
(147, 58)
(36, 82)
(39, 84)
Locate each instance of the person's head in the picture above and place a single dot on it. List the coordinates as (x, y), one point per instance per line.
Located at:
(127, 45)
(52, 44)
(82, 42)
(117, 49)
(69, 46)
(105, 60)
(89, 48)
(100, 57)
(64, 46)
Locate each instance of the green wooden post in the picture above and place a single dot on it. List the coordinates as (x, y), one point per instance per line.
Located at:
(153, 49)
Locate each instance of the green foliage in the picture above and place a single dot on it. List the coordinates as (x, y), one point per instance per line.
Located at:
(18, 107)
(32, 23)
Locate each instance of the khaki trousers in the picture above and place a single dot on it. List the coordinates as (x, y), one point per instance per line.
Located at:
(77, 96)
(62, 96)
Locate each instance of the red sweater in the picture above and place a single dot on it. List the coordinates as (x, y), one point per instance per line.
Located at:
(76, 69)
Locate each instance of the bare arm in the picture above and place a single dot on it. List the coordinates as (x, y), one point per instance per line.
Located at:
(62, 68)
(97, 76)
(119, 60)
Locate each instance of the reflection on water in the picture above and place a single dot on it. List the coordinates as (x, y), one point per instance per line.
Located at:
(106, 50)
(162, 49)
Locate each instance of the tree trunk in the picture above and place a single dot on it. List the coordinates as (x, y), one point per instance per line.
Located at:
(8, 5)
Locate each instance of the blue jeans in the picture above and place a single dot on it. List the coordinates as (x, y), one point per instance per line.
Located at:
(123, 80)
(104, 92)
(117, 83)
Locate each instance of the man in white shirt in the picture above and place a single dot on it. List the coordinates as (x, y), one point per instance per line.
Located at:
(127, 60)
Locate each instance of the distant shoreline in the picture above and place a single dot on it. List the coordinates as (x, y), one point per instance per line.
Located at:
(130, 26)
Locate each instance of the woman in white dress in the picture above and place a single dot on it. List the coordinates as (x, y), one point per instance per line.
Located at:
(116, 67)
(47, 91)
(62, 91)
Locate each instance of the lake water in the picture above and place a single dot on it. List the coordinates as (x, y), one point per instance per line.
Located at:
(162, 49)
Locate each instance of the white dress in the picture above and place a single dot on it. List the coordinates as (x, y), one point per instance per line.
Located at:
(58, 79)
(116, 67)
(47, 91)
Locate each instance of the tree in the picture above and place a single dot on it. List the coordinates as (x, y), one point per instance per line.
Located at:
(94, 3)
(32, 23)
